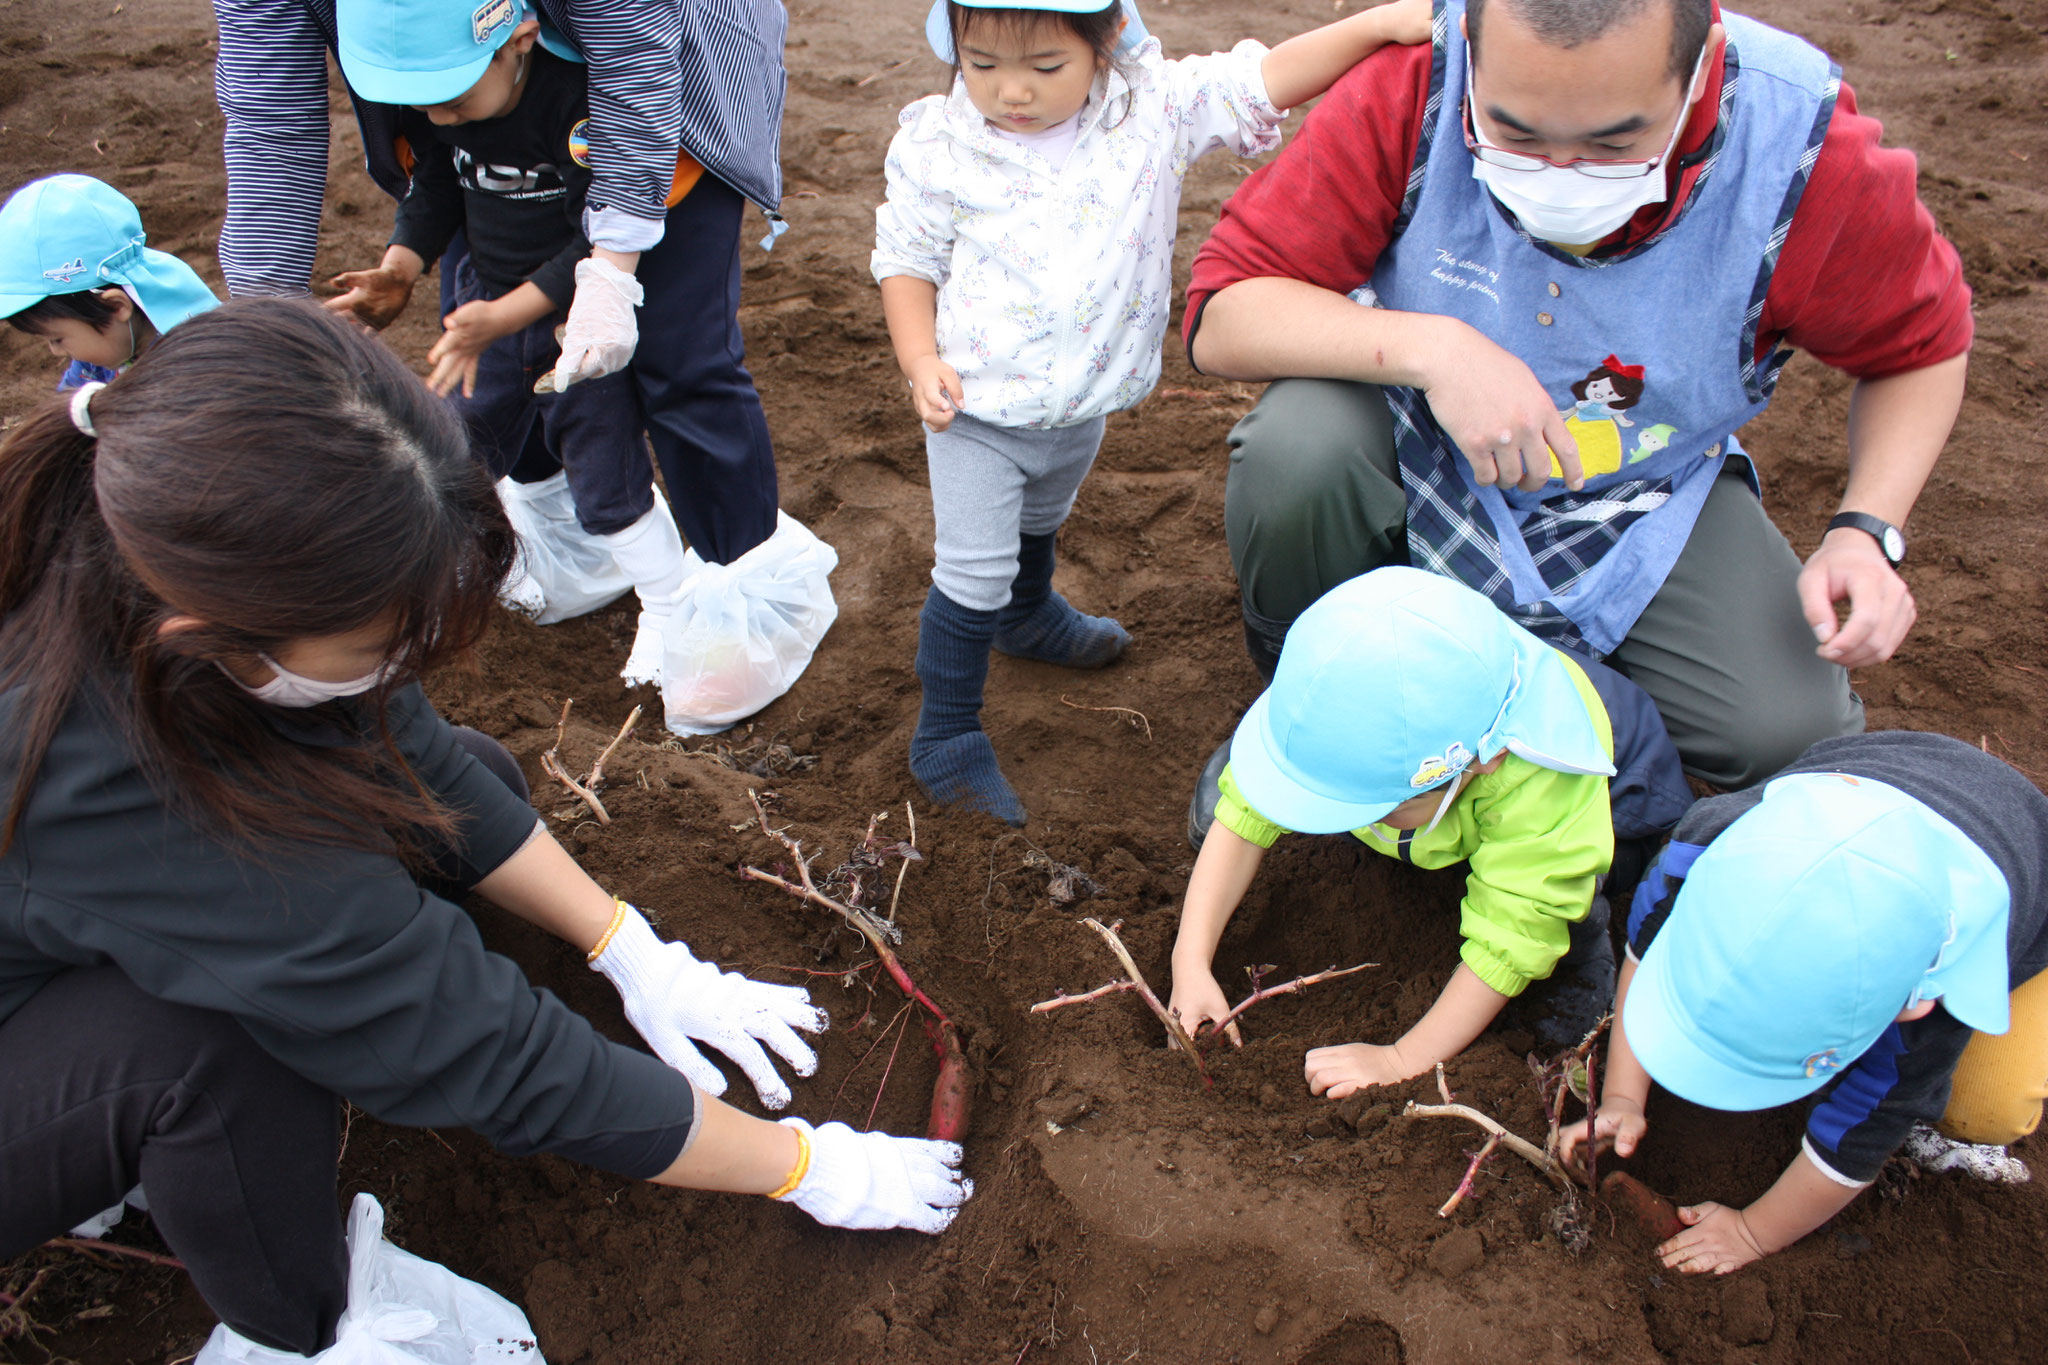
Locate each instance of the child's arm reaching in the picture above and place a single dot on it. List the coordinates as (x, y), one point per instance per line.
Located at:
(1223, 873)
(1624, 1092)
(470, 329)
(376, 297)
(1459, 1015)
(1719, 1239)
(910, 306)
(1306, 65)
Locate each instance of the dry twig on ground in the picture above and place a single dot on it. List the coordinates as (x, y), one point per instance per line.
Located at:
(1135, 719)
(586, 790)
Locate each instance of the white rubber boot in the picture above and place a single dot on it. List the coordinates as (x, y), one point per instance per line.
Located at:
(650, 553)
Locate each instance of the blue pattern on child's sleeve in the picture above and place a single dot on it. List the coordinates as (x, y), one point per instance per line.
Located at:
(1657, 889)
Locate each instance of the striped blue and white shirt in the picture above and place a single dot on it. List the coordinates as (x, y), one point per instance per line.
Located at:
(697, 76)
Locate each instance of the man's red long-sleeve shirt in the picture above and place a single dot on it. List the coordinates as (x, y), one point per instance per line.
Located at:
(1866, 282)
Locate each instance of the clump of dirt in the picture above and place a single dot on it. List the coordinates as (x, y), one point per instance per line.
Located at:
(1123, 1212)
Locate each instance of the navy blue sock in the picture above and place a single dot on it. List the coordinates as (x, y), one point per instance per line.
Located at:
(1040, 624)
(950, 756)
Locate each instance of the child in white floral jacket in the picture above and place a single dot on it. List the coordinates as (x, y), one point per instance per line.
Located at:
(1025, 255)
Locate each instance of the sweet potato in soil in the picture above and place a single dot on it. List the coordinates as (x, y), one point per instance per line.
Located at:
(1250, 1222)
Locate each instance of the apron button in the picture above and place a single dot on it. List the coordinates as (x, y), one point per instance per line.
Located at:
(1545, 319)
(1554, 291)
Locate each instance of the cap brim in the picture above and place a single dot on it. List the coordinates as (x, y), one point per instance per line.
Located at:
(1665, 1040)
(10, 304)
(939, 33)
(383, 85)
(1279, 797)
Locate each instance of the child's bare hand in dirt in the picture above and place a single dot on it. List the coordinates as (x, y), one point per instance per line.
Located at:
(1335, 1072)
(465, 334)
(1717, 1239)
(1198, 1001)
(1618, 1127)
(374, 298)
(934, 391)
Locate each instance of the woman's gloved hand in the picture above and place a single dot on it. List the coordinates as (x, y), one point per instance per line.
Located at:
(873, 1180)
(672, 998)
(602, 333)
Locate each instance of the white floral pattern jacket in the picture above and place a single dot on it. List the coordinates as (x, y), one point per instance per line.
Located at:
(1055, 286)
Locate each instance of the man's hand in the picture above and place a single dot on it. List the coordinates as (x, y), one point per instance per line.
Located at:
(1490, 405)
(374, 298)
(934, 391)
(1335, 1072)
(1618, 1127)
(1716, 1240)
(1850, 567)
(465, 334)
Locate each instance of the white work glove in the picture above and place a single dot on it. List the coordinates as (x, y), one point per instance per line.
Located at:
(873, 1180)
(602, 333)
(672, 998)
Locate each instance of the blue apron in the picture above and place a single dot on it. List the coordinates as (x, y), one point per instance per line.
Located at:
(1649, 354)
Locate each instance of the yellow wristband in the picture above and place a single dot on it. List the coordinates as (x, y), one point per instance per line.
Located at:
(803, 1166)
(619, 912)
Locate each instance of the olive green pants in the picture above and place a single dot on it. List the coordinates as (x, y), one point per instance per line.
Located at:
(1314, 497)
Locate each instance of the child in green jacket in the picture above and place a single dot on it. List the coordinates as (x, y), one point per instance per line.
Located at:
(1408, 710)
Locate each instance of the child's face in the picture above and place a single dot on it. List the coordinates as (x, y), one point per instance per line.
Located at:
(497, 93)
(1026, 77)
(109, 347)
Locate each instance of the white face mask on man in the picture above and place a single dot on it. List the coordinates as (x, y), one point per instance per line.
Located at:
(1566, 204)
(297, 690)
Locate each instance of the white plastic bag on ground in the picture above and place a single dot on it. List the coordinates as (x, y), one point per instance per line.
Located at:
(401, 1311)
(742, 633)
(101, 1223)
(563, 570)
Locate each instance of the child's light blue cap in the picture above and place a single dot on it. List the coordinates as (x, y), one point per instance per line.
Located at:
(68, 233)
(1803, 930)
(420, 52)
(1393, 684)
(939, 32)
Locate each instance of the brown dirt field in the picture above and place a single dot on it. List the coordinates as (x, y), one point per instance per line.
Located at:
(1161, 1223)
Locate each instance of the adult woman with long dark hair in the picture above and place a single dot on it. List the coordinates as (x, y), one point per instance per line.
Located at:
(228, 805)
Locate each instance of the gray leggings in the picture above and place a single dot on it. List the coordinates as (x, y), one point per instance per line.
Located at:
(990, 485)
(1314, 497)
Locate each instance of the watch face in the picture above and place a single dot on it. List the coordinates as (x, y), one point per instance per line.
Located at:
(1894, 544)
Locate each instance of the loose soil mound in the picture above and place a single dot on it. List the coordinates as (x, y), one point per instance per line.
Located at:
(1122, 1212)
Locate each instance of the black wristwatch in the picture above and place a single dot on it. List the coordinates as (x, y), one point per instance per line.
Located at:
(1889, 538)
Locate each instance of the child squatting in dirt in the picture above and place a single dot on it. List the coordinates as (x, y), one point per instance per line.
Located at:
(508, 167)
(1410, 711)
(1025, 257)
(1872, 924)
(74, 271)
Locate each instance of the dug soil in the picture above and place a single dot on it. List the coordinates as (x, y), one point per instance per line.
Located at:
(1123, 1211)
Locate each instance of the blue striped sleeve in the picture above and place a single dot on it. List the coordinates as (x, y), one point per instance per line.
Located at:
(271, 80)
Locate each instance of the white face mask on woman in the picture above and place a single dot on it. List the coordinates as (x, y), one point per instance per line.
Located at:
(1570, 204)
(297, 690)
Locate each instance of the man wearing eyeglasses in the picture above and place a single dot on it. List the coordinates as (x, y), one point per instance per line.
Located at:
(1519, 290)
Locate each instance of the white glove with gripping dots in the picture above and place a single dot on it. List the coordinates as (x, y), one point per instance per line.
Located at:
(873, 1180)
(672, 998)
(602, 332)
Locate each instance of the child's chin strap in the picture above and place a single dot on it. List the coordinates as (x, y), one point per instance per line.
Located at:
(1451, 790)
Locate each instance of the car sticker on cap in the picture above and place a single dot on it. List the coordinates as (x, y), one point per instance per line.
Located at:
(1435, 769)
(486, 19)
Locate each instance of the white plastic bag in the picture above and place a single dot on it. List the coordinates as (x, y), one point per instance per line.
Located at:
(741, 634)
(101, 1223)
(563, 570)
(401, 1311)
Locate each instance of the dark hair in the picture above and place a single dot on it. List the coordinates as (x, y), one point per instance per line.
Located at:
(1628, 391)
(1099, 29)
(279, 475)
(84, 306)
(1567, 23)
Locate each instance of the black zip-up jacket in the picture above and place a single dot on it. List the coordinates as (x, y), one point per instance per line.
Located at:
(337, 962)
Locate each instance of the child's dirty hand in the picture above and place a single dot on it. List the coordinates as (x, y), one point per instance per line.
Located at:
(1335, 1072)
(374, 298)
(465, 333)
(934, 391)
(1618, 1127)
(1716, 1240)
(1197, 1001)
(1407, 21)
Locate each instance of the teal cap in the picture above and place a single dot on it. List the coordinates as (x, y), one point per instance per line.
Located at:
(1394, 683)
(1803, 930)
(68, 233)
(938, 31)
(420, 52)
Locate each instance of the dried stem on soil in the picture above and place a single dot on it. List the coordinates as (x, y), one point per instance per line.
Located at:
(1138, 984)
(1465, 1185)
(1543, 1161)
(14, 1318)
(551, 764)
(115, 1248)
(1136, 718)
(951, 1092)
(1229, 1021)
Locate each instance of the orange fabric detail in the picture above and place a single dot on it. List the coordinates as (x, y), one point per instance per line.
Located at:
(402, 148)
(688, 172)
